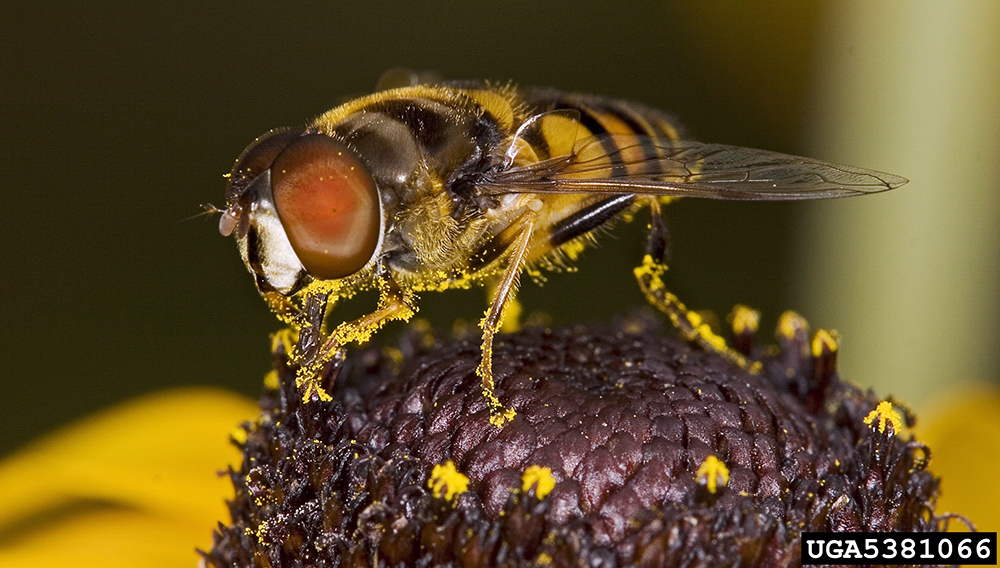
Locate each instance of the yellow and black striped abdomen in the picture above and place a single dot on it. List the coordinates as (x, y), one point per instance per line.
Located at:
(628, 135)
(609, 138)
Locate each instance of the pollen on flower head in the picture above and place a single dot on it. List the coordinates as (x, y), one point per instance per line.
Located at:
(271, 381)
(884, 413)
(238, 435)
(790, 324)
(447, 482)
(744, 319)
(712, 472)
(824, 342)
(538, 477)
(310, 385)
(285, 338)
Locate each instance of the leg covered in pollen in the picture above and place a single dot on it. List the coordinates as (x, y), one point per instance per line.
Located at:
(691, 325)
(394, 304)
(503, 299)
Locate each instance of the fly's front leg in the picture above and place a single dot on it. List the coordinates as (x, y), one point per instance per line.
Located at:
(295, 316)
(394, 304)
(304, 332)
(502, 299)
(309, 326)
(690, 324)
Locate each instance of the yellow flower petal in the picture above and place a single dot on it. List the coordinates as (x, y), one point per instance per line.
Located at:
(109, 538)
(964, 438)
(136, 485)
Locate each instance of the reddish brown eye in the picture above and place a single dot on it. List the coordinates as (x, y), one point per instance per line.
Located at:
(328, 205)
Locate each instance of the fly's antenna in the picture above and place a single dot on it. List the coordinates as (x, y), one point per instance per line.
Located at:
(206, 210)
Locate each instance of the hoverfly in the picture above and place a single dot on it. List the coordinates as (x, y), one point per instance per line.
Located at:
(436, 186)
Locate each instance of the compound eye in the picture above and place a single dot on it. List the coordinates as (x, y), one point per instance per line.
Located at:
(328, 205)
(257, 158)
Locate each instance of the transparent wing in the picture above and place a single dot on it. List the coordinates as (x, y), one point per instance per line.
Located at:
(686, 168)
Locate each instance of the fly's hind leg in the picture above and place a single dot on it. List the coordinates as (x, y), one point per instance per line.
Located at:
(690, 324)
(394, 304)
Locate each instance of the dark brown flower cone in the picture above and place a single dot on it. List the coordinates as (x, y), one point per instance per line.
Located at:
(623, 418)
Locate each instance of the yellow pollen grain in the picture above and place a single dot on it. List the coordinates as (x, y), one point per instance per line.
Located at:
(790, 324)
(499, 419)
(286, 338)
(310, 385)
(704, 331)
(271, 381)
(239, 435)
(540, 478)
(885, 414)
(653, 269)
(824, 341)
(744, 319)
(447, 482)
(712, 472)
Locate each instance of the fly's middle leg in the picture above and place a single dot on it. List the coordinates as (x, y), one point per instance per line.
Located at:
(503, 298)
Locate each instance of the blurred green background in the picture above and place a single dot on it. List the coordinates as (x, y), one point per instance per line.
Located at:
(118, 121)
